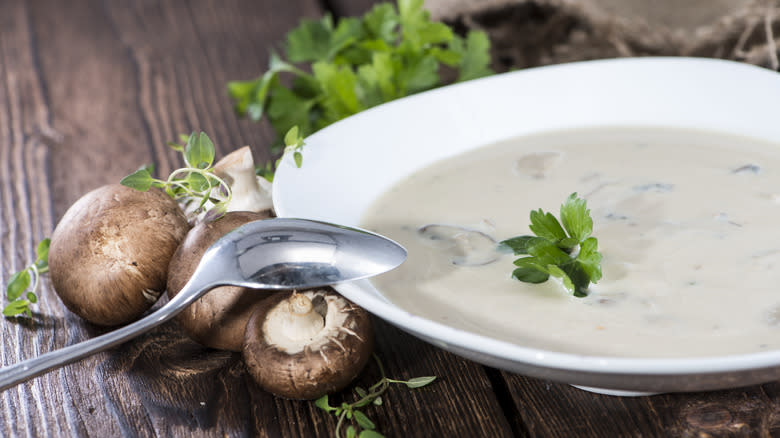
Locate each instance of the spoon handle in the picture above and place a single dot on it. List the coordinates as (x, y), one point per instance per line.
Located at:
(13, 375)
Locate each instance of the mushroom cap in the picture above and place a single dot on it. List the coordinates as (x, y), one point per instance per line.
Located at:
(109, 253)
(218, 318)
(324, 363)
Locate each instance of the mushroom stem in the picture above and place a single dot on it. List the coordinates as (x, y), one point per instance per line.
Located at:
(301, 322)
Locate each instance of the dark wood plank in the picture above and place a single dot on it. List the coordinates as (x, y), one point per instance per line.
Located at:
(26, 216)
(345, 8)
(558, 410)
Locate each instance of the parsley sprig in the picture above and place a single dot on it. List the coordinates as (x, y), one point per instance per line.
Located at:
(195, 182)
(351, 412)
(23, 285)
(566, 252)
(339, 69)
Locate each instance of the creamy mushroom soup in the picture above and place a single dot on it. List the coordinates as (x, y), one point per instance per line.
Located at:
(688, 223)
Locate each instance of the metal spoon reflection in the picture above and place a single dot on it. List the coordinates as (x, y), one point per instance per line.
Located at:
(276, 253)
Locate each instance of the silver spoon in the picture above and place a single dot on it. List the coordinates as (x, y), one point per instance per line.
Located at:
(276, 253)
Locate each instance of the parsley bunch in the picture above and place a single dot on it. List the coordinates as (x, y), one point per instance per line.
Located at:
(355, 64)
(566, 252)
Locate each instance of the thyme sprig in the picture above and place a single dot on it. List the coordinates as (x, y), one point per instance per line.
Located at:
(361, 426)
(196, 182)
(23, 285)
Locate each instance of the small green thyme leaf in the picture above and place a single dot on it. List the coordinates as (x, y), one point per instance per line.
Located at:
(199, 152)
(140, 180)
(364, 421)
(331, 69)
(42, 251)
(18, 283)
(419, 382)
(17, 307)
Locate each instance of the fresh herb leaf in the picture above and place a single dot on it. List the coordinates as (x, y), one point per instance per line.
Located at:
(566, 252)
(474, 56)
(23, 285)
(518, 245)
(195, 185)
(347, 412)
(18, 283)
(576, 218)
(364, 421)
(546, 226)
(531, 274)
(140, 180)
(590, 258)
(42, 254)
(354, 64)
(419, 382)
(199, 151)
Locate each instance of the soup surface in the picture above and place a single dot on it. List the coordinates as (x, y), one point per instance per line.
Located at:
(688, 223)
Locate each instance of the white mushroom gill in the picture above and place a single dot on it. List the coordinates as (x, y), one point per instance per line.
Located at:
(293, 325)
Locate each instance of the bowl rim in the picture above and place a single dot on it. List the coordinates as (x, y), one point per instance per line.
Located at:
(448, 336)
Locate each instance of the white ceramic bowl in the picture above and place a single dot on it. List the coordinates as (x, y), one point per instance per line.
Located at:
(347, 165)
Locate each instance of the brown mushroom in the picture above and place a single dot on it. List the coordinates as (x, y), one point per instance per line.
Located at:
(306, 344)
(109, 253)
(216, 320)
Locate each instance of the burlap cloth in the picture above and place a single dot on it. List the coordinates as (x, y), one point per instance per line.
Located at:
(527, 33)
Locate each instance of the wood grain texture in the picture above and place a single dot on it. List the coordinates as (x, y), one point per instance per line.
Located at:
(90, 90)
(558, 410)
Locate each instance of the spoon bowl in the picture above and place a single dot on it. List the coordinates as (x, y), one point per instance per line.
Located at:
(280, 253)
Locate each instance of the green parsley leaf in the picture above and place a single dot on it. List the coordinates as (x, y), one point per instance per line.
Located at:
(381, 22)
(576, 218)
(590, 258)
(530, 271)
(475, 56)
(355, 63)
(547, 252)
(565, 252)
(546, 226)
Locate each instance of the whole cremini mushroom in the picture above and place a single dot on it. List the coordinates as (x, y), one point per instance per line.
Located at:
(302, 345)
(217, 319)
(110, 251)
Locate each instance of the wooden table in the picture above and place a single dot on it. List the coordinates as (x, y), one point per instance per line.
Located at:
(90, 90)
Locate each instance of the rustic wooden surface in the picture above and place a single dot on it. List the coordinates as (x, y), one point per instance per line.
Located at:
(89, 90)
